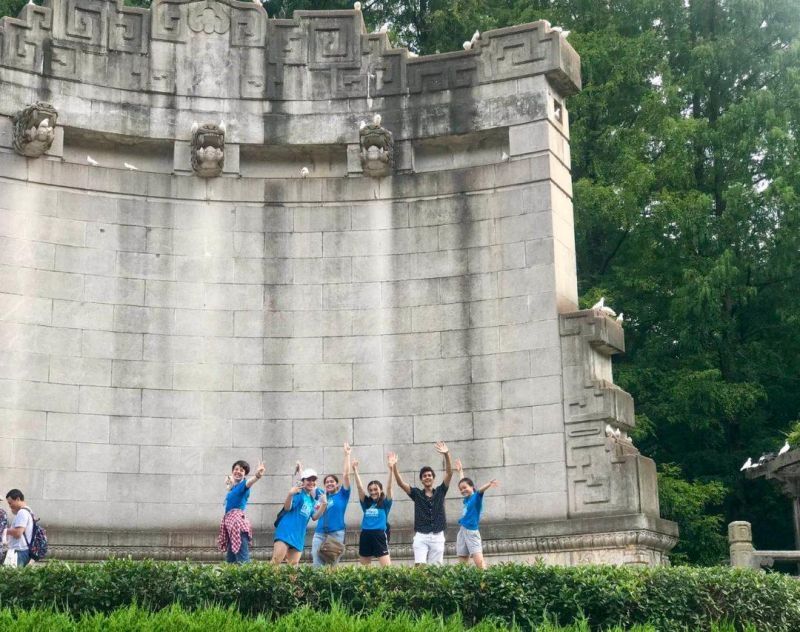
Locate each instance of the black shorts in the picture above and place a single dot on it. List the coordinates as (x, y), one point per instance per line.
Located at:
(372, 543)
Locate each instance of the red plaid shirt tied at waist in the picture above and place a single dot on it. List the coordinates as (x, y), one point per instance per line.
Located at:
(233, 524)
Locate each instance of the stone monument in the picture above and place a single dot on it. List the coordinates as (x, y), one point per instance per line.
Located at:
(211, 248)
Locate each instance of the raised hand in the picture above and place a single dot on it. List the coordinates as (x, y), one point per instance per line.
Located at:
(347, 448)
(295, 490)
(494, 483)
(457, 465)
(354, 465)
(229, 480)
(260, 469)
(441, 447)
(298, 467)
(391, 459)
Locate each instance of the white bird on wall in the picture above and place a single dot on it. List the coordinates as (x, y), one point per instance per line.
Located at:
(617, 433)
(195, 127)
(130, 167)
(475, 37)
(467, 45)
(784, 449)
(222, 126)
(559, 29)
(357, 6)
(362, 124)
(384, 28)
(304, 172)
(92, 161)
(620, 317)
(609, 431)
(600, 306)
(504, 157)
(747, 464)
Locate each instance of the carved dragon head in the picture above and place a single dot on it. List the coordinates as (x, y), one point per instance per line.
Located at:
(208, 149)
(35, 129)
(377, 149)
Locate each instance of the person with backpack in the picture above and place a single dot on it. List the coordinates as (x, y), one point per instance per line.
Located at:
(374, 539)
(327, 547)
(235, 531)
(20, 533)
(304, 502)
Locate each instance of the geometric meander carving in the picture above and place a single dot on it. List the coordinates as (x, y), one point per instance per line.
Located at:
(208, 149)
(377, 149)
(315, 55)
(34, 129)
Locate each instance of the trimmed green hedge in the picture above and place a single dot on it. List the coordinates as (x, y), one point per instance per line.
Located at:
(680, 598)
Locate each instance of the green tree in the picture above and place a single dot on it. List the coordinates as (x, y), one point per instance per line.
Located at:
(685, 149)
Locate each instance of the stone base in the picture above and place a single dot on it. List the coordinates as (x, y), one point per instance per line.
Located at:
(631, 539)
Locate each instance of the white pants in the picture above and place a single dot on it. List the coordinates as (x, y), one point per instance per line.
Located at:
(428, 548)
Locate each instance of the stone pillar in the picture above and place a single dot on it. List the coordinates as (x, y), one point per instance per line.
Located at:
(740, 537)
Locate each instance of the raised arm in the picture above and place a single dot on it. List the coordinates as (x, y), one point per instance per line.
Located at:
(403, 485)
(492, 483)
(321, 507)
(359, 485)
(459, 468)
(392, 461)
(287, 504)
(441, 448)
(259, 473)
(346, 470)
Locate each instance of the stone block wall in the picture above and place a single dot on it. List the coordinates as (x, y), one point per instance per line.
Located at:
(158, 325)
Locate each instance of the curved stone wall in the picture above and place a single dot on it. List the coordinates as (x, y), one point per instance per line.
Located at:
(159, 325)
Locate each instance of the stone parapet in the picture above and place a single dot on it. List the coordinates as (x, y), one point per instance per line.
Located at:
(621, 540)
(317, 55)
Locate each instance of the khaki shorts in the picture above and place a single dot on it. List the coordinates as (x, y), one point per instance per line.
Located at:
(468, 542)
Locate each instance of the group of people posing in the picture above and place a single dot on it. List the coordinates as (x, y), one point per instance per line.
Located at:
(305, 501)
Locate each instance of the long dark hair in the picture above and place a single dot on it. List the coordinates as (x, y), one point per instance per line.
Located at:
(380, 500)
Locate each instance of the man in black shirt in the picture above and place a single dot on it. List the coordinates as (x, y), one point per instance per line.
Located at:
(429, 517)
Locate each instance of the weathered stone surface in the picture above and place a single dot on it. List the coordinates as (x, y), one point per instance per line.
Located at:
(281, 279)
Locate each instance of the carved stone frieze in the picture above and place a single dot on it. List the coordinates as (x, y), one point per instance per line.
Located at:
(208, 149)
(316, 55)
(632, 546)
(377, 149)
(35, 129)
(606, 474)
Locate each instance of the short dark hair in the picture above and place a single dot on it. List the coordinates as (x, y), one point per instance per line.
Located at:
(427, 468)
(333, 476)
(242, 464)
(15, 494)
(468, 481)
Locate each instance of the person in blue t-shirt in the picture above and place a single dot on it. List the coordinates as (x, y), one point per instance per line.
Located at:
(331, 525)
(304, 502)
(468, 540)
(374, 541)
(236, 533)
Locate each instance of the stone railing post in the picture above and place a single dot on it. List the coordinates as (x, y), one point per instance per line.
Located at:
(740, 538)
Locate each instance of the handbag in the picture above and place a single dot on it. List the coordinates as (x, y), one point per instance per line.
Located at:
(331, 550)
(11, 558)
